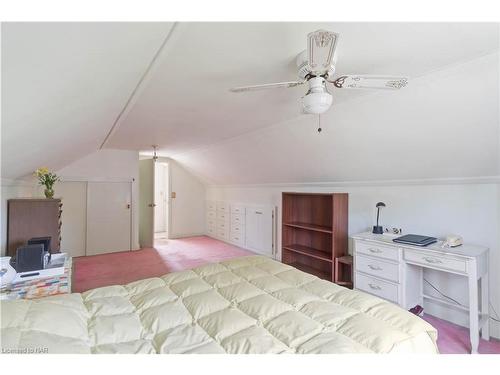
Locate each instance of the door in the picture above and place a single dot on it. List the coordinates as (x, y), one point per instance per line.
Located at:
(161, 196)
(146, 202)
(109, 217)
(259, 229)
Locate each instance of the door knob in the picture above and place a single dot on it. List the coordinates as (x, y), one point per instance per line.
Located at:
(152, 205)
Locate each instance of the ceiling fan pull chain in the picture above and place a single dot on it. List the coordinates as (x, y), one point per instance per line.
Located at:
(319, 123)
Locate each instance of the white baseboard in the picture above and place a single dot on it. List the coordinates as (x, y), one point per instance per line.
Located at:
(184, 235)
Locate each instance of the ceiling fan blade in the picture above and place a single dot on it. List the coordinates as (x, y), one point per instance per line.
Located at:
(267, 86)
(321, 46)
(370, 82)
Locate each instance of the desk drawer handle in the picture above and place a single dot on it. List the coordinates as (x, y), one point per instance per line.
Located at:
(375, 251)
(375, 268)
(431, 260)
(373, 286)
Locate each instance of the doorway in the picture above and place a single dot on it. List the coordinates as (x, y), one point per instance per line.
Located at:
(154, 202)
(161, 192)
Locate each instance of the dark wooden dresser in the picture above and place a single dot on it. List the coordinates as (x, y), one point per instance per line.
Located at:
(33, 217)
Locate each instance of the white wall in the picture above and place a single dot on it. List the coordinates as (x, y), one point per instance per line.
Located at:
(187, 215)
(469, 209)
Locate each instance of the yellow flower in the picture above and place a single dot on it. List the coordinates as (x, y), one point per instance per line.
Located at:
(42, 171)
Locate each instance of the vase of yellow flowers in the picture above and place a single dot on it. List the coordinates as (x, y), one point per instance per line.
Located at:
(46, 179)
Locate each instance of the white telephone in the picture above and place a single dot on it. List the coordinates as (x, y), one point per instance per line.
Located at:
(453, 240)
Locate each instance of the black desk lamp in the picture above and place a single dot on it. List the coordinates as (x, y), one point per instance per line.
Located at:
(376, 228)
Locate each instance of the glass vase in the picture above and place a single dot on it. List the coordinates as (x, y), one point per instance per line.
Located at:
(49, 193)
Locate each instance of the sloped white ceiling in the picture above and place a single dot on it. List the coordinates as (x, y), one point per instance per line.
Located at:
(444, 125)
(186, 103)
(63, 85)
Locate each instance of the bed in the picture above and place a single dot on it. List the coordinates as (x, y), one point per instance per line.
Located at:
(245, 305)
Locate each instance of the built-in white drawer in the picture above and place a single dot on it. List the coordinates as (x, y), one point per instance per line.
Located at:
(222, 225)
(377, 267)
(376, 250)
(211, 206)
(222, 234)
(237, 238)
(372, 285)
(222, 216)
(211, 231)
(237, 228)
(237, 209)
(237, 219)
(435, 261)
(211, 222)
(211, 215)
(222, 207)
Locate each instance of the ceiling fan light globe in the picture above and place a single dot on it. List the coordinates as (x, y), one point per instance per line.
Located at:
(316, 102)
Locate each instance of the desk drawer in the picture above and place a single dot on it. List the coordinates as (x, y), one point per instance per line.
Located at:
(435, 261)
(376, 250)
(377, 287)
(377, 267)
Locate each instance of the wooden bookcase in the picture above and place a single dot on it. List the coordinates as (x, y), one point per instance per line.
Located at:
(314, 231)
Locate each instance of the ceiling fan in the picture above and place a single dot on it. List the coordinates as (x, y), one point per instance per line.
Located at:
(316, 67)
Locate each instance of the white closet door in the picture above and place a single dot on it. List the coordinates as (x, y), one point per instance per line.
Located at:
(109, 217)
(259, 229)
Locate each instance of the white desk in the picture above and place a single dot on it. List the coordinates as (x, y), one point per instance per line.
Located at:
(395, 272)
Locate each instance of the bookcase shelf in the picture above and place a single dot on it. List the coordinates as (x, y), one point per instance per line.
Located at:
(314, 227)
(314, 231)
(309, 251)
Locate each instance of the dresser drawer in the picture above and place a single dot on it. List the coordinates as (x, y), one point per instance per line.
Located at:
(435, 261)
(376, 250)
(377, 267)
(372, 285)
(211, 215)
(237, 209)
(237, 219)
(211, 222)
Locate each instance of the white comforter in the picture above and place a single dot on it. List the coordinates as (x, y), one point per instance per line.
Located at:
(245, 305)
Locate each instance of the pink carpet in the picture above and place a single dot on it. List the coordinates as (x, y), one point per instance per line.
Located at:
(176, 255)
(167, 256)
(454, 339)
